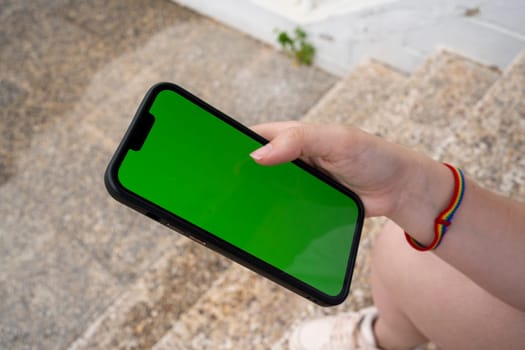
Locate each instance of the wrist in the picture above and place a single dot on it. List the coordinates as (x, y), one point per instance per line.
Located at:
(426, 191)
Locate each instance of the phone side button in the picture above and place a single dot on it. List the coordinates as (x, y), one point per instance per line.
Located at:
(167, 224)
(193, 238)
(174, 228)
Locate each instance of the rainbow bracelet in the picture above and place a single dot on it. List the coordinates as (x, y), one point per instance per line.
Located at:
(444, 219)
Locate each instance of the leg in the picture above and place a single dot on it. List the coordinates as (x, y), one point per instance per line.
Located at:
(420, 297)
(393, 329)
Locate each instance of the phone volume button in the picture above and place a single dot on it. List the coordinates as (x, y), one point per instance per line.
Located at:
(173, 227)
(167, 224)
(196, 240)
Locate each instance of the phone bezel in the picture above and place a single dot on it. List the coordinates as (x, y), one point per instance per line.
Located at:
(155, 212)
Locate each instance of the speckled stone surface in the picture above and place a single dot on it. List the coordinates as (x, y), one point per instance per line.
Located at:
(435, 95)
(145, 311)
(72, 75)
(251, 83)
(48, 58)
(243, 310)
(249, 312)
(491, 145)
(50, 285)
(65, 170)
(359, 95)
(232, 305)
(79, 270)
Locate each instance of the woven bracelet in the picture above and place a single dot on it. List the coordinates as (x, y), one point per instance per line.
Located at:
(444, 219)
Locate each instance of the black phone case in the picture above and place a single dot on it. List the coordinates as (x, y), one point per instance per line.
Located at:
(207, 239)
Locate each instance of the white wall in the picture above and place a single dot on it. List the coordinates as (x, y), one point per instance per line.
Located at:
(398, 32)
(308, 11)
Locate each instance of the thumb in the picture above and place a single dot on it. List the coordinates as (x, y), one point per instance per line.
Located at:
(290, 144)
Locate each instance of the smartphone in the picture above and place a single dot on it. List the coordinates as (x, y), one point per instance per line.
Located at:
(187, 165)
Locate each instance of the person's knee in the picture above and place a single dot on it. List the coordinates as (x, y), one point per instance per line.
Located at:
(387, 253)
(400, 268)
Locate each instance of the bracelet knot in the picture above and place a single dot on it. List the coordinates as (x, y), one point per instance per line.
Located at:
(444, 219)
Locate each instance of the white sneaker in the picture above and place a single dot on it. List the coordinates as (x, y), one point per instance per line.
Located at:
(349, 331)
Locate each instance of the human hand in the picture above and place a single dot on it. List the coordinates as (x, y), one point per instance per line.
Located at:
(375, 169)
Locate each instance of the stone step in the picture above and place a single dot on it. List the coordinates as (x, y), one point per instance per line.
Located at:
(242, 310)
(249, 81)
(101, 332)
(490, 145)
(455, 96)
(358, 96)
(245, 309)
(221, 313)
(435, 87)
(435, 96)
(144, 312)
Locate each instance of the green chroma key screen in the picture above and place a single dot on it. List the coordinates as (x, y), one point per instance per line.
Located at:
(197, 166)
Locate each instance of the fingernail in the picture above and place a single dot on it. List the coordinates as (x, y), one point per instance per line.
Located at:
(260, 153)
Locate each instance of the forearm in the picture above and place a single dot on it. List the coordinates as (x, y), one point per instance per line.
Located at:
(486, 240)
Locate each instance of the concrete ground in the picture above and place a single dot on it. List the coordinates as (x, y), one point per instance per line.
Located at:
(80, 271)
(71, 76)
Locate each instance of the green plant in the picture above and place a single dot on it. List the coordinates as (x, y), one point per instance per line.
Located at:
(298, 46)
